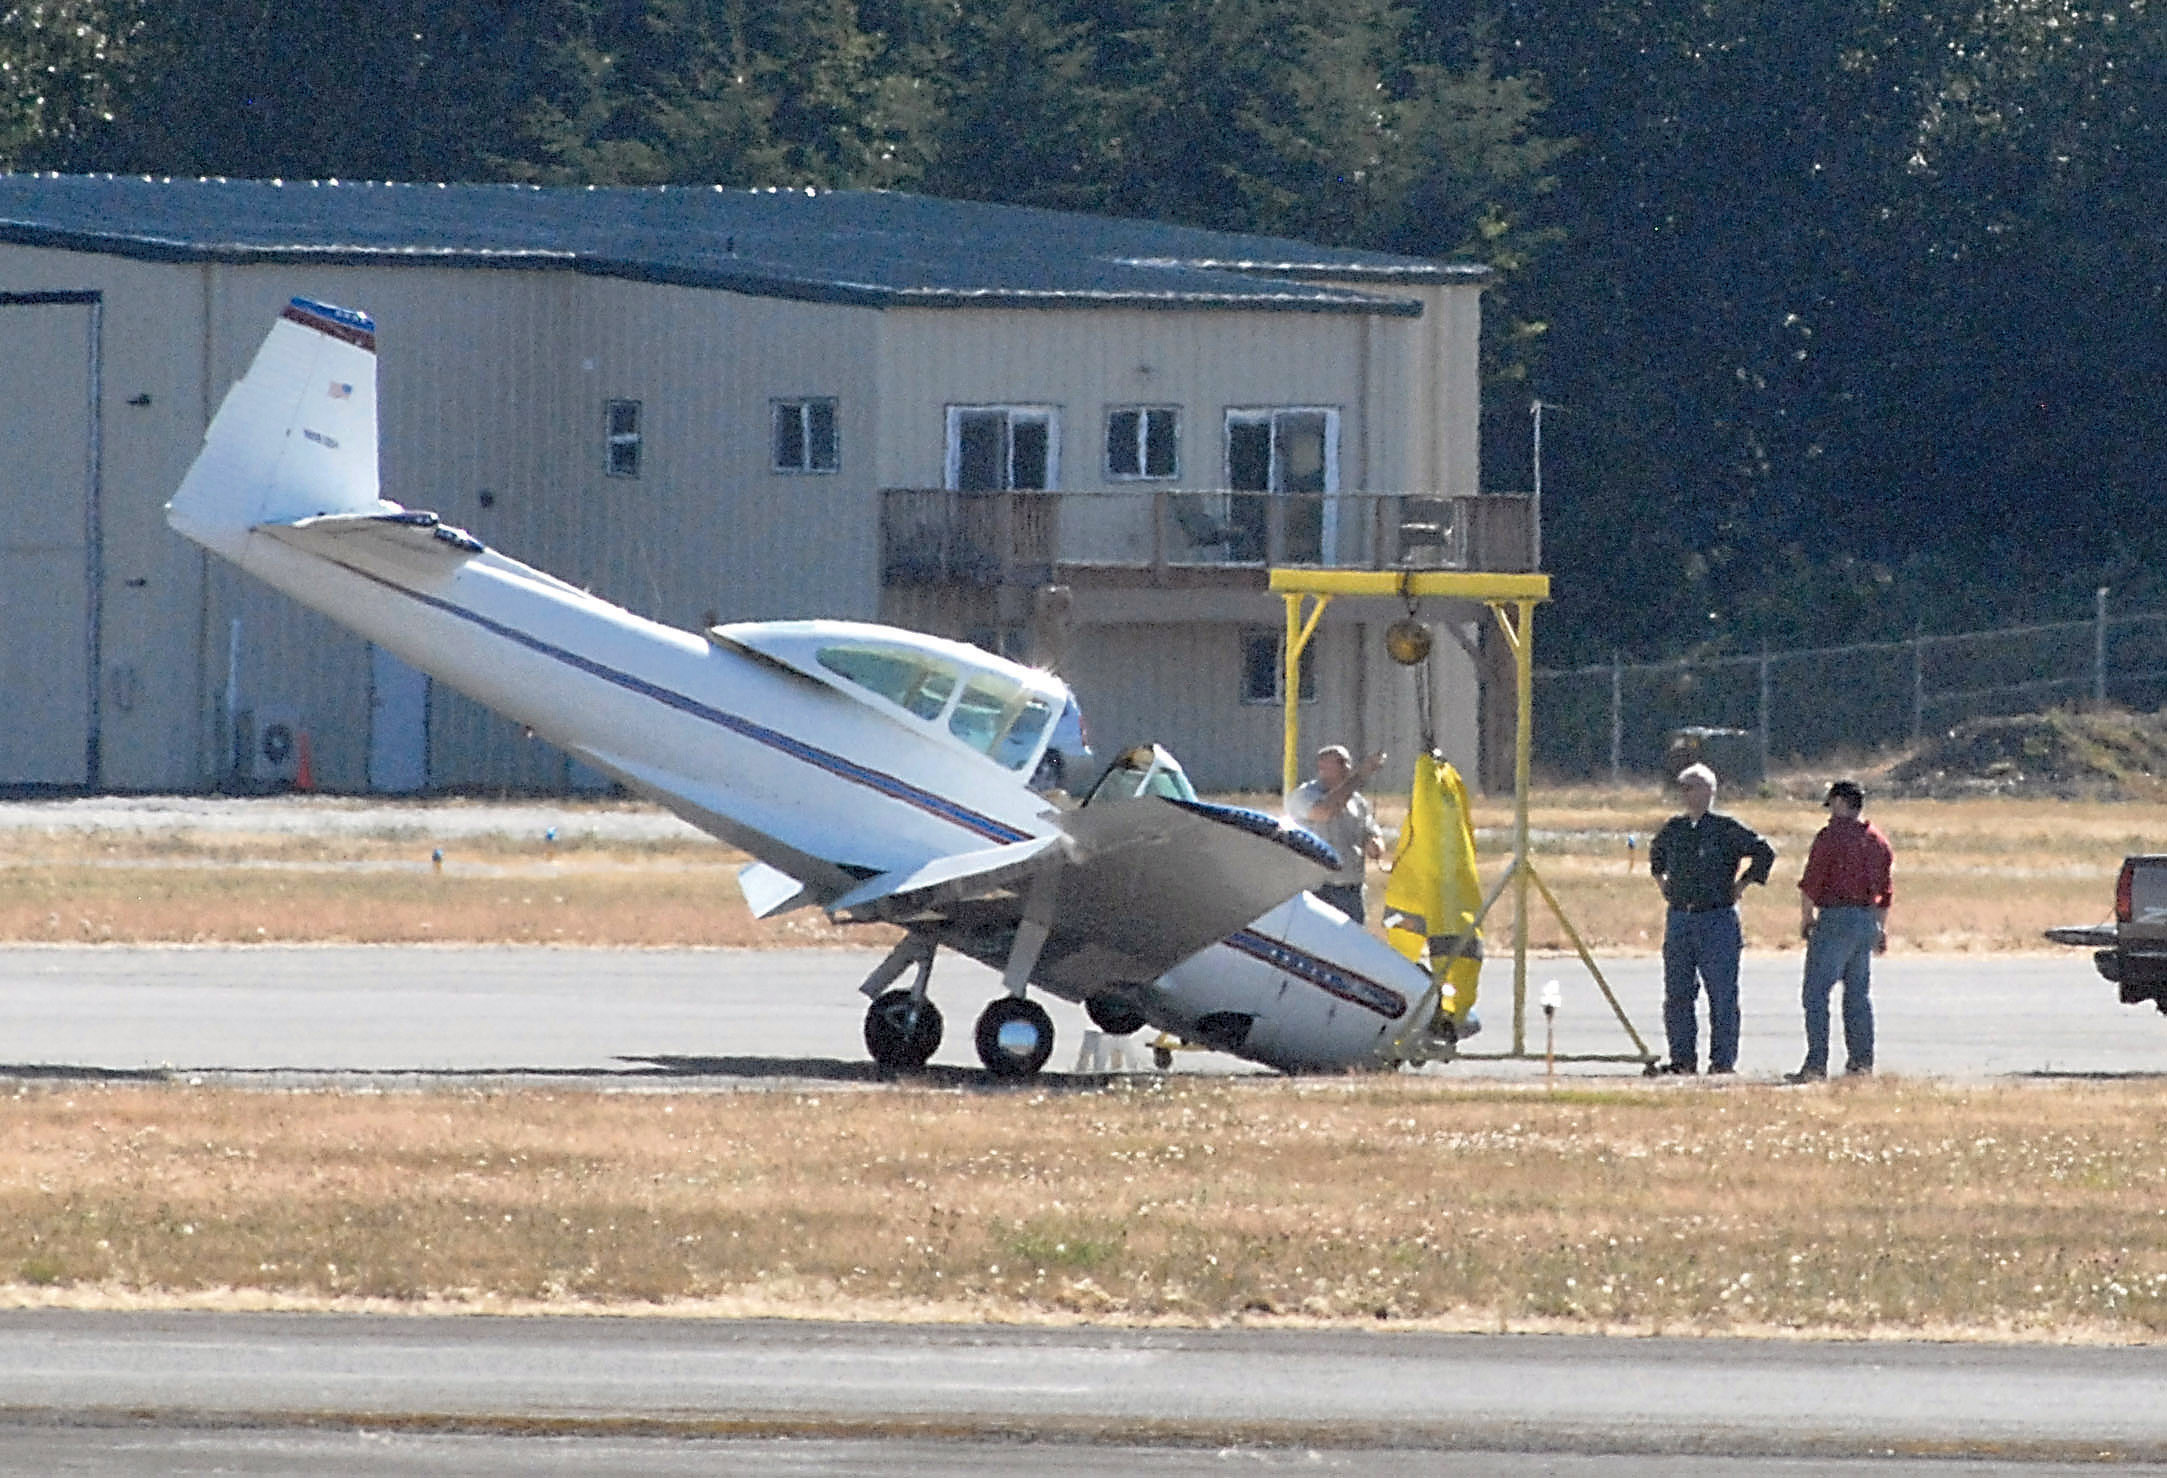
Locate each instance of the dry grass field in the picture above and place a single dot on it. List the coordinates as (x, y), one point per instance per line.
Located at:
(1972, 875)
(1878, 1208)
(104, 887)
(1978, 874)
(2028, 1211)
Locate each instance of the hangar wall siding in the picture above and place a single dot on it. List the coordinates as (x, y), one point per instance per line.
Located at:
(133, 447)
(48, 487)
(492, 393)
(1390, 379)
(492, 388)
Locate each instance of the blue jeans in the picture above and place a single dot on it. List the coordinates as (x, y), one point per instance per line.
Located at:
(1701, 950)
(1842, 947)
(1346, 897)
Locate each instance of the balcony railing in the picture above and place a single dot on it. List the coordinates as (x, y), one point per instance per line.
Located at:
(939, 536)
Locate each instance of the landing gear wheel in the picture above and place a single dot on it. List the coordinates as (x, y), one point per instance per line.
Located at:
(1113, 1016)
(900, 1033)
(1162, 1058)
(1015, 1037)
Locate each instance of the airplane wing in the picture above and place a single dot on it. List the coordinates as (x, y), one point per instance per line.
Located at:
(1135, 888)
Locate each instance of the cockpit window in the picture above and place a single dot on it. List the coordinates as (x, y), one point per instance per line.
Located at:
(912, 679)
(995, 714)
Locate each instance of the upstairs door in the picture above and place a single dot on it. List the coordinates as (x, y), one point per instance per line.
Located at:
(48, 540)
(1290, 453)
(1004, 449)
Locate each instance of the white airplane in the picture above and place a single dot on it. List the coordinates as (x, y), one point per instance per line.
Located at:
(876, 773)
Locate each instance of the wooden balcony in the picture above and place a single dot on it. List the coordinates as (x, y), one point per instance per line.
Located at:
(1188, 538)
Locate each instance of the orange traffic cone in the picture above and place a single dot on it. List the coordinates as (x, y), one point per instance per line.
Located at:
(304, 773)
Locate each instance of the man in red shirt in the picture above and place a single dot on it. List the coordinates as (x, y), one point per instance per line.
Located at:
(1843, 914)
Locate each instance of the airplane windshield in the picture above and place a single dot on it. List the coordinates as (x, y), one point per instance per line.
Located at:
(1021, 741)
(997, 716)
(913, 679)
(1145, 770)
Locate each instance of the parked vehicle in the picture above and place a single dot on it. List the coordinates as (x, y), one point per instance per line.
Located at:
(2132, 950)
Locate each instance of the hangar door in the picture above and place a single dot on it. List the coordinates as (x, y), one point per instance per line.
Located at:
(48, 539)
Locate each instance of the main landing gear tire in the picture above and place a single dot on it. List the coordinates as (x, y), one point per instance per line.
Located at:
(901, 1034)
(1015, 1037)
(1116, 1018)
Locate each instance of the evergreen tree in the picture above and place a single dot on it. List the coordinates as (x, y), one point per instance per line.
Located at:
(390, 89)
(735, 92)
(1023, 120)
(59, 68)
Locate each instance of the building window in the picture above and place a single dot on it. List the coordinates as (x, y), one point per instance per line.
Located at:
(1143, 441)
(624, 438)
(805, 435)
(994, 448)
(1264, 658)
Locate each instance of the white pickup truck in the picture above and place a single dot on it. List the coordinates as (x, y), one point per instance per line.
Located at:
(2131, 951)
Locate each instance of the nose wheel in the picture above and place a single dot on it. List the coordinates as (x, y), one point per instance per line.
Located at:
(1015, 1037)
(902, 1033)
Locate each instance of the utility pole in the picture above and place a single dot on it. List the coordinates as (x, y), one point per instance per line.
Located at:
(1535, 503)
(1617, 717)
(2099, 647)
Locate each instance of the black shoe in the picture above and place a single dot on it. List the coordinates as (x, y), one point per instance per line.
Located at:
(1678, 1069)
(1713, 1070)
(1806, 1075)
(1858, 1070)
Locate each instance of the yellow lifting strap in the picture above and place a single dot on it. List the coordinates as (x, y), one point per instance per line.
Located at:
(1433, 898)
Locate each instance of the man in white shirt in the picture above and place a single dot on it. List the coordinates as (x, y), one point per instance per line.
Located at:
(1332, 805)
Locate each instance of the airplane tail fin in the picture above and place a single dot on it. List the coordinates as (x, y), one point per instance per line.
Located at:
(295, 437)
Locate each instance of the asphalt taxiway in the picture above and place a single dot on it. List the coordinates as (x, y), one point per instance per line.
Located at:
(770, 1396)
(745, 1015)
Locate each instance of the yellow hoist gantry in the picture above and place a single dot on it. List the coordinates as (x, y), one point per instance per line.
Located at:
(1511, 600)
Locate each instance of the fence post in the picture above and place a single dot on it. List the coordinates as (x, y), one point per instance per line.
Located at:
(1764, 711)
(1617, 716)
(1918, 683)
(2099, 647)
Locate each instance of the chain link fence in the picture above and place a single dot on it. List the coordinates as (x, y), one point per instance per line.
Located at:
(1616, 719)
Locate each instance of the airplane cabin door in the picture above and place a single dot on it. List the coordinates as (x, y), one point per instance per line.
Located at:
(398, 725)
(49, 539)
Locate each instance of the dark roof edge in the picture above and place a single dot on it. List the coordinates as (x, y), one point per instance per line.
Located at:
(752, 284)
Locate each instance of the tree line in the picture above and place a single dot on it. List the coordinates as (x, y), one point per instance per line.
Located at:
(1847, 314)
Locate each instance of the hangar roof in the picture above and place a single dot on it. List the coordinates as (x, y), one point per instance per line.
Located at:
(870, 247)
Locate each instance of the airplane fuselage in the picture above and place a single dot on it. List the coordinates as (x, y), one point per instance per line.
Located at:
(797, 742)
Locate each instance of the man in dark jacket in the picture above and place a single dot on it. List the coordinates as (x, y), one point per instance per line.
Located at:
(1695, 859)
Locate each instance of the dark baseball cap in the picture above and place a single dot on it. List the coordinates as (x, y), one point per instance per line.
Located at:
(1848, 789)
